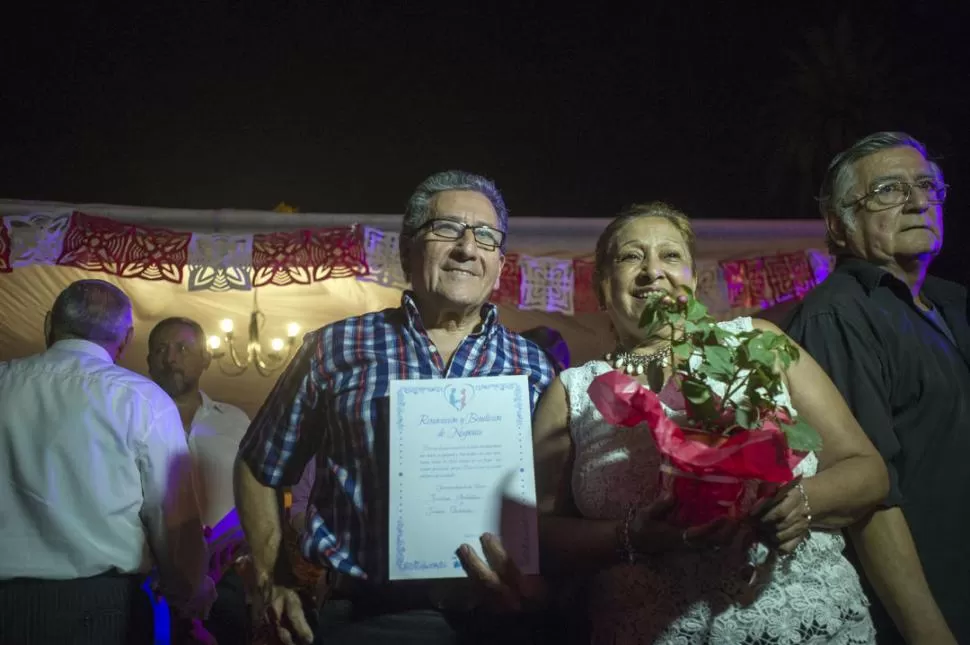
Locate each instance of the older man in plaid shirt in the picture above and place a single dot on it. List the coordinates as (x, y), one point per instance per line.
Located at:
(331, 405)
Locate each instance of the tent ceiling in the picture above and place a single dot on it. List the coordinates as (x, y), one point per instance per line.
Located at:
(721, 239)
(27, 293)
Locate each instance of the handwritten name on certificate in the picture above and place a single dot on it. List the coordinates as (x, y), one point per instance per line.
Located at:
(460, 466)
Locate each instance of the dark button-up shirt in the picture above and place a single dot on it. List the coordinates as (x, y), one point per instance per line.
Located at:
(906, 377)
(332, 404)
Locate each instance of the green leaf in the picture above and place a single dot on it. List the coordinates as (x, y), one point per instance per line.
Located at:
(703, 369)
(692, 328)
(776, 341)
(802, 437)
(758, 352)
(695, 391)
(770, 338)
(700, 401)
(682, 350)
(719, 358)
(721, 334)
(757, 375)
(785, 359)
(696, 310)
(746, 417)
(788, 353)
(650, 317)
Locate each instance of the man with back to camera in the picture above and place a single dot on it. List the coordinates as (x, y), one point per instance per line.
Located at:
(97, 479)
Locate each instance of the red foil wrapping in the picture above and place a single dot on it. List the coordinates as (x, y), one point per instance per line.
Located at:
(710, 475)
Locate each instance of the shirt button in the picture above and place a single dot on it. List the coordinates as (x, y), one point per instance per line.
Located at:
(433, 349)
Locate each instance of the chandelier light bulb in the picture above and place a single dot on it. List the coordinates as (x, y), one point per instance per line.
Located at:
(265, 358)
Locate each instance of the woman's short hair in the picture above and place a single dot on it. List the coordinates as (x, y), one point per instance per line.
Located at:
(92, 310)
(604, 245)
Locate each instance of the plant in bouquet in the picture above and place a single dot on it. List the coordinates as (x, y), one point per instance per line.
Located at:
(734, 443)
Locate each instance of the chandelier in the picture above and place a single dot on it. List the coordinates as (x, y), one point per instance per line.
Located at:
(232, 363)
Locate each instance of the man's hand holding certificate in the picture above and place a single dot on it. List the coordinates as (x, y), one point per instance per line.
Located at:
(460, 466)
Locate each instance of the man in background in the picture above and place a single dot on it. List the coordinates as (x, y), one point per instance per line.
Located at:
(177, 358)
(96, 476)
(896, 342)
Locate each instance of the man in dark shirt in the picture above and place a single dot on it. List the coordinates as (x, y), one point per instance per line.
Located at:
(896, 342)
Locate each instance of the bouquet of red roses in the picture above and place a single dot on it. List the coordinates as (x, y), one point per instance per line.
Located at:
(732, 449)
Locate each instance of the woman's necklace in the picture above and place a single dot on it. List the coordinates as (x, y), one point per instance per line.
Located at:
(637, 364)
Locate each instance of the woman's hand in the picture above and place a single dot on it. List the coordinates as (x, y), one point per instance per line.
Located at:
(651, 533)
(783, 520)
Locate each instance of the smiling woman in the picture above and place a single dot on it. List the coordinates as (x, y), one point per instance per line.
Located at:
(602, 509)
(646, 249)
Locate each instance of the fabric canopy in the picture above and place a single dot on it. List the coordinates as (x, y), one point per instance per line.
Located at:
(27, 292)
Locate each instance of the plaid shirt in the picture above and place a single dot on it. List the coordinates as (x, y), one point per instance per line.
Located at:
(332, 403)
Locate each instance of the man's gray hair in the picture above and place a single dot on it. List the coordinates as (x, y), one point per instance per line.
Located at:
(419, 208)
(92, 310)
(840, 178)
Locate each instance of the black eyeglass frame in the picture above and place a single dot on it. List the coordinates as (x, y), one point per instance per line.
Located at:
(475, 228)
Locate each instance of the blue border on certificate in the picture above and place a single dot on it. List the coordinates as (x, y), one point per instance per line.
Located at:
(400, 548)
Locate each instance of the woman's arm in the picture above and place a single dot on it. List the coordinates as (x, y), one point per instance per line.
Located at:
(575, 545)
(852, 477)
(569, 544)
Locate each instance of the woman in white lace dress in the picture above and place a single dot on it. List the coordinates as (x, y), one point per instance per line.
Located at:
(778, 579)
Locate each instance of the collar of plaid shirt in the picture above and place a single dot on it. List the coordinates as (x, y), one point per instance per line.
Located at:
(332, 404)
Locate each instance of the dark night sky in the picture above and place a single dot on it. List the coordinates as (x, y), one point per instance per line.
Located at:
(573, 112)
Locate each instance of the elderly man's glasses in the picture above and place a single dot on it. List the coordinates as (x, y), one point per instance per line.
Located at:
(895, 193)
(447, 229)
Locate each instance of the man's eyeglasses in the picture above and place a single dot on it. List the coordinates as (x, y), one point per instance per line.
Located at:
(895, 193)
(446, 229)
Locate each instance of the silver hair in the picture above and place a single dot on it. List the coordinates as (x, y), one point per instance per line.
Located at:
(92, 310)
(420, 205)
(840, 177)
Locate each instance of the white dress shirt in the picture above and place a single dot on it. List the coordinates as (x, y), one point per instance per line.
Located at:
(96, 474)
(214, 436)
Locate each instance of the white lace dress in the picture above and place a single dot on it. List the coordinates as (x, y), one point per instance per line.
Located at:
(686, 598)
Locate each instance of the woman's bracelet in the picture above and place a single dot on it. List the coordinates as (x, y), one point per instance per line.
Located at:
(808, 508)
